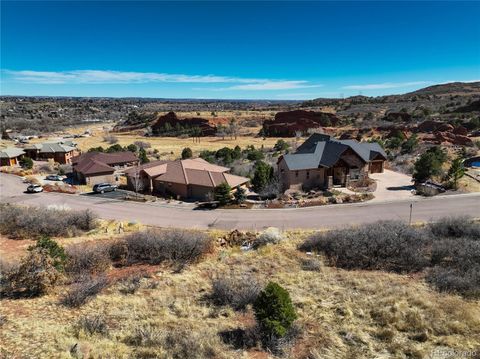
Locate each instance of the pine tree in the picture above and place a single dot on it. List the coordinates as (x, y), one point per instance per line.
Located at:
(222, 193)
(274, 311)
(456, 171)
(142, 156)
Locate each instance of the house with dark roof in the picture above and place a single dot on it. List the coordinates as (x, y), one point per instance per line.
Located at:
(191, 179)
(56, 151)
(10, 156)
(325, 162)
(96, 167)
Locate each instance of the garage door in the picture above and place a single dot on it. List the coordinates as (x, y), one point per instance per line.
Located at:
(376, 167)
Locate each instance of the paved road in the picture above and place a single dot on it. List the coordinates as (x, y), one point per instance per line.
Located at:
(424, 209)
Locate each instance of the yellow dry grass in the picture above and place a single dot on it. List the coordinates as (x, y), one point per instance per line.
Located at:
(167, 147)
(343, 314)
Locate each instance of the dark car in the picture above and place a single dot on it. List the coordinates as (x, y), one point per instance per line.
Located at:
(104, 187)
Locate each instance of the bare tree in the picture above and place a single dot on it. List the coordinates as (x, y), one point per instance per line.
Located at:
(233, 128)
(137, 181)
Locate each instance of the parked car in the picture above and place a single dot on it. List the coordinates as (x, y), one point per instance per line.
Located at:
(54, 178)
(34, 188)
(104, 187)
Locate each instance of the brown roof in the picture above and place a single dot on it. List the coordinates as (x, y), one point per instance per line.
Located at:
(195, 171)
(91, 166)
(95, 162)
(113, 158)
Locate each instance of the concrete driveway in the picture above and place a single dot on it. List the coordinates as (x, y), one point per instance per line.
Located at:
(392, 186)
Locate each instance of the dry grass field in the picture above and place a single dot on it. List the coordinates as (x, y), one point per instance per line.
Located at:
(167, 147)
(341, 314)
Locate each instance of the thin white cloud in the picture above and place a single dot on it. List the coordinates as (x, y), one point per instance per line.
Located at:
(122, 77)
(385, 85)
(274, 85)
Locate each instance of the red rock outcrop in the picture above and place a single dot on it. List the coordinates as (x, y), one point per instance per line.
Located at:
(429, 126)
(171, 123)
(286, 124)
(453, 138)
(460, 130)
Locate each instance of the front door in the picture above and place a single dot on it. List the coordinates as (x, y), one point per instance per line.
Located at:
(339, 176)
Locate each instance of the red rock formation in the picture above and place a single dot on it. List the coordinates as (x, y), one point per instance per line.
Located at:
(170, 120)
(453, 138)
(460, 130)
(286, 124)
(429, 126)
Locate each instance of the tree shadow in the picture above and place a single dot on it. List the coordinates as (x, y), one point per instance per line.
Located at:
(401, 188)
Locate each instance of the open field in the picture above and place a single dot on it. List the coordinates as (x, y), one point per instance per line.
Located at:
(342, 314)
(167, 147)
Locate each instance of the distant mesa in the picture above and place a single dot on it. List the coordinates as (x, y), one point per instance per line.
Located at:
(289, 123)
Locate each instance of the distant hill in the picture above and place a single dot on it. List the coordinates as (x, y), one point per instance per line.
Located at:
(452, 88)
(449, 89)
(441, 99)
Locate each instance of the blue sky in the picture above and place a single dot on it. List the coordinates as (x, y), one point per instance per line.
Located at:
(249, 50)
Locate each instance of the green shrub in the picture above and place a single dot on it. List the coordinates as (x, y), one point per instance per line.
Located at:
(262, 176)
(281, 145)
(26, 163)
(54, 250)
(187, 153)
(240, 194)
(274, 311)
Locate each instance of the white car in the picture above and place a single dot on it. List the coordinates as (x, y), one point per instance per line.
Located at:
(34, 188)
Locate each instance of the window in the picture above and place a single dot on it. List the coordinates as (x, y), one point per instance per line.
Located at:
(308, 174)
(354, 173)
(296, 173)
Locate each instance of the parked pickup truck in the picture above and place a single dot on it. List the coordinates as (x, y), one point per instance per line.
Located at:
(104, 187)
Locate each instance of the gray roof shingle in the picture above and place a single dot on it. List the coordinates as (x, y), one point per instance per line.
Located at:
(321, 150)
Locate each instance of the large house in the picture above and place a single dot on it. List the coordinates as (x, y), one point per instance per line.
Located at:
(191, 179)
(96, 167)
(58, 152)
(325, 162)
(10, 156)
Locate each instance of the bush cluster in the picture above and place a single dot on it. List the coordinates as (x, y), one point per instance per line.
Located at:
(177, 344)
(84, 290)
(449, 250)
(87, 259)
(235, 292)
(386, 245)
(95, 324)
(30, 222)
(177, 246)
(36, 275)
(455, 256)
